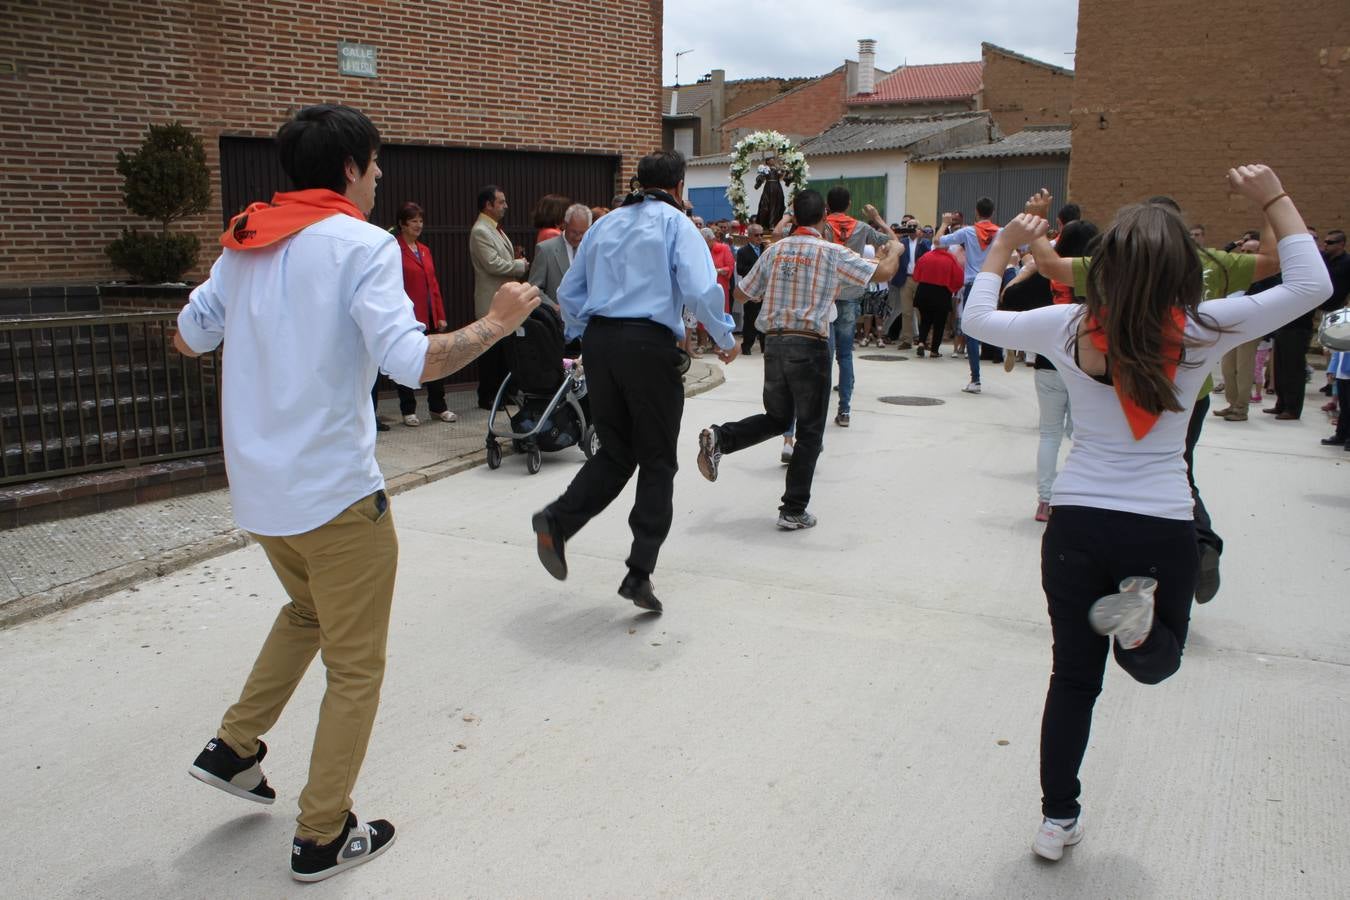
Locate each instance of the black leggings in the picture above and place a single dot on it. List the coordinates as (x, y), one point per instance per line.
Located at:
(1085, 554)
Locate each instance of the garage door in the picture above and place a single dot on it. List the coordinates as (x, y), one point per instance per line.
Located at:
(445, 182)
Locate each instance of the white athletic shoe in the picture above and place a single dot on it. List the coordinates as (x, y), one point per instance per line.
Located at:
(412, 421)
(445, 415)
(1128, 615)
(972, 388)
(1051, 839)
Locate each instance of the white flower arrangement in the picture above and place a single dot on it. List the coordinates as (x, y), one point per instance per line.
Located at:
(792, 159)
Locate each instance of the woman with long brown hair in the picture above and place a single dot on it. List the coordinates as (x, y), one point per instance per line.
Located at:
(1118, 558)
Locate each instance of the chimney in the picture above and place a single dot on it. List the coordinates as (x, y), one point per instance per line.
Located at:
(867, 66)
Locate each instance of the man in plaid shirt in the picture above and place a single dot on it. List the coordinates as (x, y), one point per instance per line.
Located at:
(797, 280)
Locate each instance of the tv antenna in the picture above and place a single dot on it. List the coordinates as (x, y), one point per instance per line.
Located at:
(677, 64)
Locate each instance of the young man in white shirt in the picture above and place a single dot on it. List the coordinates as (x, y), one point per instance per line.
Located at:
(311, 298)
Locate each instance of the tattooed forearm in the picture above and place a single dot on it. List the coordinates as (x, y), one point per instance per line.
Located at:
(448, 353)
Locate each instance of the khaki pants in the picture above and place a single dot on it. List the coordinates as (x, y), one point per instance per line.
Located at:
(902, 304)
(1239, 367)
(340, 578)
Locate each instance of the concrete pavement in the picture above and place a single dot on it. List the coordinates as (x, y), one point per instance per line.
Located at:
(850, 711)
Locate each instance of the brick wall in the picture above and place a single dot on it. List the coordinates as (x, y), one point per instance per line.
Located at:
(1021, 93)
(1168, 108)
(89, 76)
(741, 95)
(803, 112)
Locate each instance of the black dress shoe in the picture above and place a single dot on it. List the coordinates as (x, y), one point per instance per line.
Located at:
(1334, 441)
(380, 426)
(548, 541)
(638, 588)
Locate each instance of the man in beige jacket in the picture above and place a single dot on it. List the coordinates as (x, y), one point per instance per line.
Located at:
(494, 264)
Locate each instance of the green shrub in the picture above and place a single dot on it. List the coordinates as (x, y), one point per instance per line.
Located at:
(152, 258)
(165, 180)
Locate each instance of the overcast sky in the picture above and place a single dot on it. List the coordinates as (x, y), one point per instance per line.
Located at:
(810, 37)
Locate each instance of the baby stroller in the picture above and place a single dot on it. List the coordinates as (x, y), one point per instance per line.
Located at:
(549, 397)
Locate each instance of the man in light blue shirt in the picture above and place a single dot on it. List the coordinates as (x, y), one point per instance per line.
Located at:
(975, 240)
(635, 271)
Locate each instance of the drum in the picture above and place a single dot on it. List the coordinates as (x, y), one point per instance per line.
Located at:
(1335, 331)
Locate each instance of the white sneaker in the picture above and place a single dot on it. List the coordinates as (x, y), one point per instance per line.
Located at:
(1128, 615)
(445, 416)
(786, 456)
(972, 388)
(412, 421)
(1051, 839)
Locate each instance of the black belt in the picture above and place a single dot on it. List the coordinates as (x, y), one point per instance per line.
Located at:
(618, 320)
(795, 332)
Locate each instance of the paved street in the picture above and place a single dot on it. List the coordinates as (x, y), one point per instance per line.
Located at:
(851, 711)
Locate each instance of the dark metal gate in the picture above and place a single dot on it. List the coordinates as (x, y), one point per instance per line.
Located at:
(445, 182)
(1008, 186)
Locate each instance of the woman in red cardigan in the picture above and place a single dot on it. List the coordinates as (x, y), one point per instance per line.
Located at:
(419, 282)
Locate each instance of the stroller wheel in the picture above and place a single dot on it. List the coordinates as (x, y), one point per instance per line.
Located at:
(494, 454)
(590, 442)
(534, 460)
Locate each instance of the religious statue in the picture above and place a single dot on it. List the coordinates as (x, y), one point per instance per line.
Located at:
(771, 175)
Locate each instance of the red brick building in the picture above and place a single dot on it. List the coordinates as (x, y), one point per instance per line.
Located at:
(471, 91)
(1168, 108)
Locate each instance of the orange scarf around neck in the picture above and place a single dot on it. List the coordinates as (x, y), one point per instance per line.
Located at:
(985, 231)
(263, 224)
(843, 226)
(1141, 421)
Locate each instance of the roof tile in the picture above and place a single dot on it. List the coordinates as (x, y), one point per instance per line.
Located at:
(916, 84)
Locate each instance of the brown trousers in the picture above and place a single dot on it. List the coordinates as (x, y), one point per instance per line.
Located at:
(340, 578)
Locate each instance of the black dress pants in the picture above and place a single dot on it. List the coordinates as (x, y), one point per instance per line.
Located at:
(407, 398)
(796, 384)
(1291, 359)
(749, 333)
(1085, 554)
(492, 369)
(636, 402)
(1205, 535)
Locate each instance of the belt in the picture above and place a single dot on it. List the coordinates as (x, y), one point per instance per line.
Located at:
(794, 332)
(624, 320)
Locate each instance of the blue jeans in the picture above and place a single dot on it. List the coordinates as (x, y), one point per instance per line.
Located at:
(972, 345)
(841, 332)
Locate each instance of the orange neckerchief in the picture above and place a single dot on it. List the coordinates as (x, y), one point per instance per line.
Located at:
(1061, 292)
(805, 231)
(1141, 422)
(985, 231)
(843, 225)
(263, 224)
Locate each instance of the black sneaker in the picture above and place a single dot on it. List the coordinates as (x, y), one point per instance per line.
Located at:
(219, 766)
(359, 842)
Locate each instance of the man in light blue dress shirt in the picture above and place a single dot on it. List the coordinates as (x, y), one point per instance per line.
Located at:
(637, 267)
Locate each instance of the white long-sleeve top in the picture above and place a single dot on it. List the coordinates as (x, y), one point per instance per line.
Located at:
(306, 322)
(1107, 468)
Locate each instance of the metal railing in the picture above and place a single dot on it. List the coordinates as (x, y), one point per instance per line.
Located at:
(82, 393)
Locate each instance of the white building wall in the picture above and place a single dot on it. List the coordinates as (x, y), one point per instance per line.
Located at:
(891, 163)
